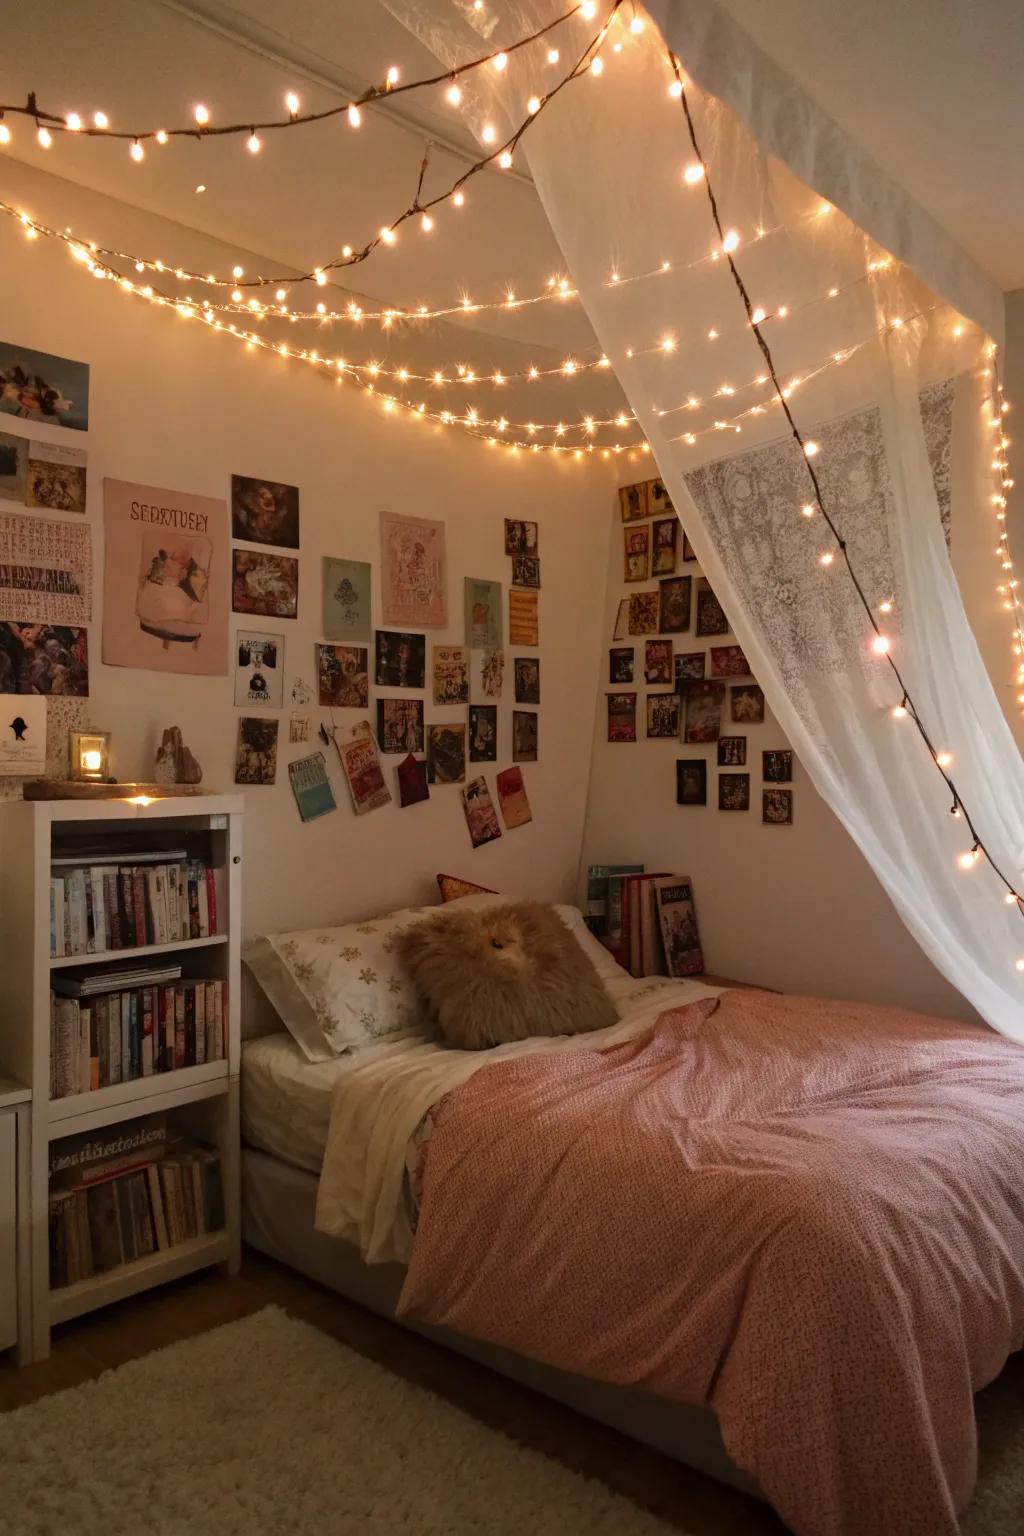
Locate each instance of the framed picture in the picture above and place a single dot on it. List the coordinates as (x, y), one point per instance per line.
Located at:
(620, 664)
(689, 668)
(728, 661)
(777, 766)
(663, 713)
(746, 704)
(734, 791)
(401, 659)
(711, 619)
(691, 781)
(521, 538)
(674, 601)
(658, 662)
(524, 736)
(525, 571)
(704, 711)
(664, 539)
(732, 751)
(635, 551)
(527, 679)
(777, 807)
(622, 717)
(264, 511)
(633, 502)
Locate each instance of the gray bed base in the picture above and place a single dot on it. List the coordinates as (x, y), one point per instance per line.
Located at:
(278, 1203)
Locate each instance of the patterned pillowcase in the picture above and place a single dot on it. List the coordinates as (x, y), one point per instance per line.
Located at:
(452, 888)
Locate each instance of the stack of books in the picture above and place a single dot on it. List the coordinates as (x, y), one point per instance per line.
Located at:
(647, 921)
(125, 1193)
(118, 1026)
(129, 900)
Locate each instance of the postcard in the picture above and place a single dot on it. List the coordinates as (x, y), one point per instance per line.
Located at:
(621, 629)
(777, 807)
(746, 704)
(734, 791)
(711, 619)
(524, 736)
(620, 664)
(256, 755)
(633, 502)
(521, 538)
(658, 499)
(703, 703)
(691, 781)
(688, 553)
(486, 675)
(664, 536)
(481, 817)
(414, 571)
(298, 728)
(45, 570)
(777, 766)
(525, 571)
(259, 669)
(636, 563)
(450, 669)
(22, 736)
(264, 511)
(663, 716)
(346, 599)
(44, 658)
(412, 781)
(483, 614)
(13, 466)
(658, 661)
(400, 725)
(266, 584)
(55, 478)
(446, 754)
(689, 668)
(728, 661)
(363, 772)
(311, 786)
(483, 733)
(527, 679)
(674, 601)
(342, 677)
(37, 386)
(523, 627)
(515, 807)
(643, 613)
(678, 922)
(732, 751)
(401, 659)
(622, 717)
(302, 693)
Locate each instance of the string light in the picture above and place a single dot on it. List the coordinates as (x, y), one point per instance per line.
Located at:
(201, 115)
(5, 134)
(101, 121)
(254, 143)
(137, 152)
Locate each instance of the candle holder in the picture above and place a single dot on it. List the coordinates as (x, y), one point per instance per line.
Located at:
(90, 757)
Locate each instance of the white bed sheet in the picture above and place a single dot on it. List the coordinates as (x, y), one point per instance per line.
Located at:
(286, 1100)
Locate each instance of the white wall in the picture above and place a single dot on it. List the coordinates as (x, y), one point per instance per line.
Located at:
(175, 406)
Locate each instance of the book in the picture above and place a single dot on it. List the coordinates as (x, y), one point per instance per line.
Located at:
(126, 901)
(677, 918)
(598, 885)
(103, 1226)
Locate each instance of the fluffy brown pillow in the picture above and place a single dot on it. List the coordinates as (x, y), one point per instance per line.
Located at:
(504, 973)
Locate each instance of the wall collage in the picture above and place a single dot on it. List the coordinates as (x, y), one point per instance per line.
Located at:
(702, 697)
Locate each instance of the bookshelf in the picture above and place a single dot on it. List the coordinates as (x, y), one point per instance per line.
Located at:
(199, 1102)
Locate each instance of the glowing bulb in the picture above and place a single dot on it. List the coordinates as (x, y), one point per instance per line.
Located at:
(254, 143)
(1019, 965)
(885, 607)
(426, 223)
(731, 241)
(880, 645)
(458, 199)
(588, 9)
(392, 75)
(202, 115)
(5, 134)
(488, 133)
(968, 860)
(553, 55)
(73, 122)
(100, 120)
(291, 101)
(499, 61)
(944, 759)
(811, 448)
(668, 344)
(45, 137)
(807, 509)
(827, 558)
(899, 711)
(237, 272)
(1011, 898)
(597, 66)
(693, 174)
(387, 234)
(505, 159)
(92, 761)
(636, 26)
(236, 296)
(161, 136)
(281, 295)
(757, 317)
(454, 94)
(533, 105)
(355, 117)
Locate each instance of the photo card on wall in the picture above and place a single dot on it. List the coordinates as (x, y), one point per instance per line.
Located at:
(414, 571)
(643, 613)
(732, 751)
(521, 537)
(691, 781)
(523, 621)
(728, 661)
(483, 733)
(446, 754)
(346, 599)
(264, 584)
(264, 511)
(677, 919)
(777, 766)
(622, 717)
(512, 797)
(39, 386)
(633, 502)
(364, 775)
(401, 659)
(658, 499)
(486, 675)
(412, 781)
(342, 673)
(777, 807)
(44, 658)
(711, 619)
(620, 664)
(524, 736)
(689, 668)
(256, 754)
(620, 630)
(311, 786)
(734, 791)
(704, 711)
(664, 537)
(674, 604)
(22, 736)
(13, 467)
(481, 817)
(663, 715)
(635, 553)
(525, 571)
(259, 669)
(658, 663)
(45, 570)
(55, 477)
(527, 679)
(400, 725)
(450, 670)
(746, 704)
(483, 614)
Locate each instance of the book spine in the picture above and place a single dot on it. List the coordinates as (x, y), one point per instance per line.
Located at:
(179, 1026)
(148, 1034)
(125, 1219)
(101, 938)
(77, 912)
(199, 1004)
(114, 1036)
(138, 888)
(193, 900)
(112, 906)
(204, 904)
(54, 951)
(211, 902)
(151, 879)
(188, 1198)
(86, 1267)
(94, 1046)
(126, 907)
(194, 1170)
(170, 1184)
(90, 919)
(213, 1192)
(103, 1040)
(190, 1024)
(173, 910)
(84, 1053)
(156, 1205)
(66, 1047)
(145, 1239)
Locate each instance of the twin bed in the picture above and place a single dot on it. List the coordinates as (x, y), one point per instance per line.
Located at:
(780, 1239)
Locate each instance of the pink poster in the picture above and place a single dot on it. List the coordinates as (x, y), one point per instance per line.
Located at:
(414, 572)
(166, 588)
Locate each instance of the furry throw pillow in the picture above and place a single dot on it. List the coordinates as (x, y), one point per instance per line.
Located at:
(504, 973)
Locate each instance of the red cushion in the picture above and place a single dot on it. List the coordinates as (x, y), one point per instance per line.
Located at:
(451, 888)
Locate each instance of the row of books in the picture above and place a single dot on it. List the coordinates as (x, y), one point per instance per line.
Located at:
(128, 1032)
(647, 921)
(130, 900)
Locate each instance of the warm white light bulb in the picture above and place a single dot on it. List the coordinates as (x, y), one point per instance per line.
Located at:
(597, 66)
(1019, 965)
(807, 509)
(500, 61)
(45, 137)
(281, 295)
(636, 26)
(202, 115)
(553, 55)
(137, 152)
(454, 94)
(944, 759)
(161, 136)
(392, 75)
(505, 159)
(968, 860)
(254, 143)
(885, 607)
(387, 234)
(458, 198)
(811, 448)
(899, 711)
(488, 133)
(355, 117)
(730, 241)
(880, 645)
(426, 223)
(73, 122)
(100, 120)
(533, 105)
(676, 88)
(588, 9)
(291, 101)
(237, 272)
(5, 134)
(827, 558)
(693, 174)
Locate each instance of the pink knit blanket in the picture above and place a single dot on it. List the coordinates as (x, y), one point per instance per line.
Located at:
(807, 1215)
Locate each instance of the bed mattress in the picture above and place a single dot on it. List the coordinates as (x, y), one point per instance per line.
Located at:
(286, 1100)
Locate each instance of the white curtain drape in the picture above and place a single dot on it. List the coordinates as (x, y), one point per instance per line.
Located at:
(609, 161)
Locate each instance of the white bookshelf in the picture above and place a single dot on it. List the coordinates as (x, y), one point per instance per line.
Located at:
(200, 1101)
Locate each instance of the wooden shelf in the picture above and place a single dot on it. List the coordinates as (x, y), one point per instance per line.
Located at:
(106, 956)
(72, 1300)
(139, 1096)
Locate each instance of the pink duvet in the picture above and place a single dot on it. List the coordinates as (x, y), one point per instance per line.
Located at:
(804, 1214)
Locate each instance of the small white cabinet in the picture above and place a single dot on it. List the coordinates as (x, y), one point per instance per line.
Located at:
(14, 1258)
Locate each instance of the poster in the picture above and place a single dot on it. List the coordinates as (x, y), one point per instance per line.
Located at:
(451, 674)
(515, 807)
(256, 754)
(483, 733)
(527, 679)
(55, 477)
(346, 599)
(401, 660)
(523, 626)
(343, 680)
(311, 786)
(486, 674)
(521, 538)
(664, 539)
(446, 754)
(633, 502)
(22, 736)
(165, 595)
(264, 512)
(674, 603)
(37, 386)
(266, 584)
(400, 725)
(13, 465)
(259, 669)
(481, 817)
(414, 575)
(44, 658)
(622, 717)
(362, 770)
(45, 570)
(704, 711)
(524, 736)
(483, 614)
(525, 571)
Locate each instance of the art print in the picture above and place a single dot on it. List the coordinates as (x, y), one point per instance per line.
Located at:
(450, 667)
(620, 664)
(734, 791)
(691, 781)
(45, 570)
(658, 499)
(446, 754)
(703, 708)
(401, 659)
(746, 704)
(483, 614)
(414, 571)
(621, 628)
(622, 717)
(523, 624)
(728, 661)
(674, 602)
(400, 725)
(663, 716)
(688, 553)
(658, 662)
(481, 817)
(527, 679)
(55, 477)
(298, 729)
(342, 677)
(266, 584)
(259, 669)
(525, 571)
(711, 619)
(515, 806)
(664, 535)
(346, 599)
(22, 736)
(483, 733)
(777, 766)
(363, 772)
(524, 736)
(689, 668)
(264, 511)
(412, 781)
(44, 658)
(678, 922)
(311, 786)
(302, 693)
(13, 466)
(486, 675)
(38, 386)
(777, 807)
(635, 547)
(633, 502)
(732, 751)
(643, 613)
(256, 755)
(521, 538)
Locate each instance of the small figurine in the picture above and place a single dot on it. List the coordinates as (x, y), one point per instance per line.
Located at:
(174, 762)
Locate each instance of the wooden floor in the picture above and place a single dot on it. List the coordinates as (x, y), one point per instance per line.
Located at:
(104, 1340)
